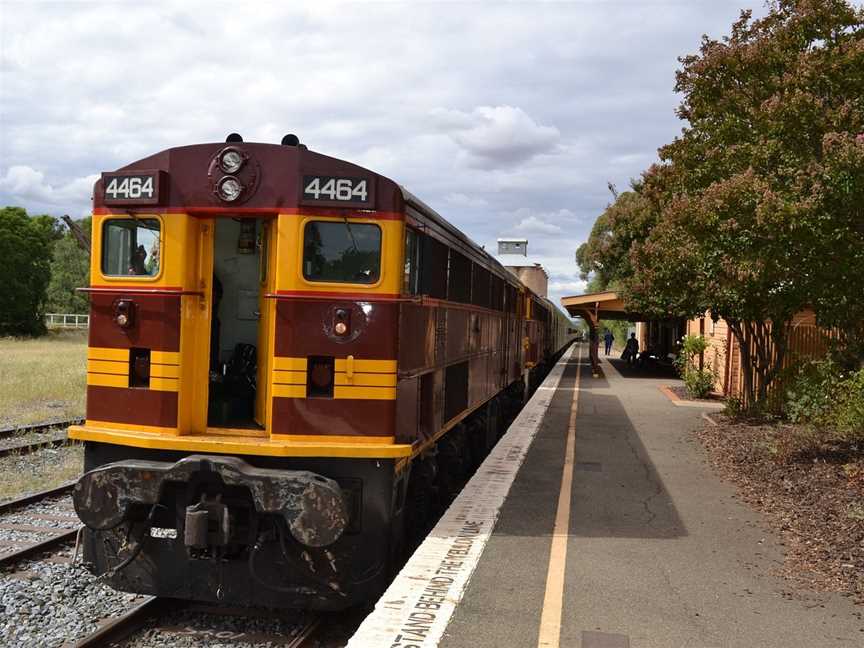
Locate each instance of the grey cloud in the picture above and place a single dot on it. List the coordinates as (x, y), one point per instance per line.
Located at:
(496, 135)
(481, 110)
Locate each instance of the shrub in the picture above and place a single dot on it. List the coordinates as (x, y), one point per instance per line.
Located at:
(698, 382)
(828, 402)
(846, 414)
(808, 393)
(734, 406)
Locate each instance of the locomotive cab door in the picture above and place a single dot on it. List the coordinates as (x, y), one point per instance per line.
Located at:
(241, 325)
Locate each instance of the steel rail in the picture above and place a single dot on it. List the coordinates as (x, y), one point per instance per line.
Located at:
(27, 448)
(12, 430)
(121, 627)
(51, 542)
(63, 489)
(52, 539)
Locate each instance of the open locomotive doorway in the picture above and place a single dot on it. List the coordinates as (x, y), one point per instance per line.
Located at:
(240, 324)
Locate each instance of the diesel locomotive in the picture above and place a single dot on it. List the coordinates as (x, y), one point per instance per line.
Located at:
(293, 364)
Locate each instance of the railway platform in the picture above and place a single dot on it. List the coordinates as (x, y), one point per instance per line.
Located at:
(597, 523)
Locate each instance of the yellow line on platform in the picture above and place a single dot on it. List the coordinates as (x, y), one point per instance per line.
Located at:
(553, 600)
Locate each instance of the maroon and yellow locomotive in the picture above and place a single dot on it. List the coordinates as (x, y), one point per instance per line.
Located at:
(293, 363)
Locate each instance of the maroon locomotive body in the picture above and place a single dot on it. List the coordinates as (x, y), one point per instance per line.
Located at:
(293, 366)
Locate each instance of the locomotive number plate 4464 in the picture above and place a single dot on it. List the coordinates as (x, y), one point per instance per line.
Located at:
(337, 190)
(141, 188)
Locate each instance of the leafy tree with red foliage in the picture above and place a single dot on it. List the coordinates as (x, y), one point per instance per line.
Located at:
(757, 205)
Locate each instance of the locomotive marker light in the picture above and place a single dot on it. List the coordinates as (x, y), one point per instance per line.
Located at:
(229, 188)
(342, 326)
(124, 313)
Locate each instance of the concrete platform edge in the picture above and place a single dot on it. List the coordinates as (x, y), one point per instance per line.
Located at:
(417, 607)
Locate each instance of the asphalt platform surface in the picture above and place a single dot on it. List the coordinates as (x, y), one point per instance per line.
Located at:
(660, 554)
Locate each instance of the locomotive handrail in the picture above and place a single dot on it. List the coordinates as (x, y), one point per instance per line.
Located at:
(366, 297)
(140, 291)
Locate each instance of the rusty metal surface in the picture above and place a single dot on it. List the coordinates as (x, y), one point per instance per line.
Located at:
(312, 505)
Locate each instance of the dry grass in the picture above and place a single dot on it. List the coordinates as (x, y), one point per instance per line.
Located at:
(41, 470)
(43, 378)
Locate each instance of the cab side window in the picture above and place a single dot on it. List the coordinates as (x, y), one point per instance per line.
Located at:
(131, 247)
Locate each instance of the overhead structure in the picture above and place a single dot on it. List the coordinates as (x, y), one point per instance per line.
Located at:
(592, 307)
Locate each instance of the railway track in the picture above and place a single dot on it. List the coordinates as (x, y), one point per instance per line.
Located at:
(29, 438)
(36, 523)
(202, 625)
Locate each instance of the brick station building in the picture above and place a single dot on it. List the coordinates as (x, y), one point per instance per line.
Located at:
(723, 355)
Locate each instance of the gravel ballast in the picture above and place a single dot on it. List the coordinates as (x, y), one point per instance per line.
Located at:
(45, 604)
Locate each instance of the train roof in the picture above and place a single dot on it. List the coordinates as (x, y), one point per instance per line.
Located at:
(273, 176)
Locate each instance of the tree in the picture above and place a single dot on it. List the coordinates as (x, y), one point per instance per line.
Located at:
(758, 194)
(755, 211)
(605, 256)
(70, 269)
(25, 253)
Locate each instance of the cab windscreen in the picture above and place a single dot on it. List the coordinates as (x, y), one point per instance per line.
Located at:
(342, 252)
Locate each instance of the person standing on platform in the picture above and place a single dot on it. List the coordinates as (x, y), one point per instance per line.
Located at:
(608, 339)
(632, 349)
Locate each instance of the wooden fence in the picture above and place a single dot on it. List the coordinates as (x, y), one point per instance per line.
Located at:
(806, 341)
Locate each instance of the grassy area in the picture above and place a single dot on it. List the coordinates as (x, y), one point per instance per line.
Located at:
(41, 470)
(42, 378)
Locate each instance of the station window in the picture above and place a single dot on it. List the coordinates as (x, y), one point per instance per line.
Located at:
(342, 252)
(130, 247)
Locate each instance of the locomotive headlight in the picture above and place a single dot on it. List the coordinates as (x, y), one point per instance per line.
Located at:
(229, 188)
(231, 161)
(341, 328)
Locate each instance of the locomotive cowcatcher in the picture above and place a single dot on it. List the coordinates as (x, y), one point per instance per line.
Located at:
(293, 364)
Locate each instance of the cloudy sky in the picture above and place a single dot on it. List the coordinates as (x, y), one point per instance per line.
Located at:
(509, 119)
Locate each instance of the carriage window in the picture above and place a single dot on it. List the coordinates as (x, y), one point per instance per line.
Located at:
(412, 254)
(342, 251)
(130, 246)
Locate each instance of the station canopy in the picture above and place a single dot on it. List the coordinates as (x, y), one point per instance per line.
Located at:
(593, 307)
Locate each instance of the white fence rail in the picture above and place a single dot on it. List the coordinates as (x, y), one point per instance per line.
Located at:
(67, 321)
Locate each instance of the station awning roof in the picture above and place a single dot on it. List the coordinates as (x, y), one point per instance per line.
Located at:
(597, 306)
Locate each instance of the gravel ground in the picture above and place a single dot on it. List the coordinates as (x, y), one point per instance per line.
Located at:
(40, 470)
(47, 604)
